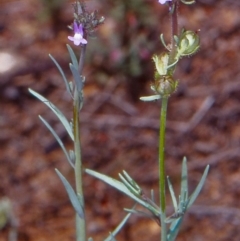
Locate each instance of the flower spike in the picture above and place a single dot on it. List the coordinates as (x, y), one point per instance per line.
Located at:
(77, 39)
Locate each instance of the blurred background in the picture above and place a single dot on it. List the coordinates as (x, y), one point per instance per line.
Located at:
(118, 132)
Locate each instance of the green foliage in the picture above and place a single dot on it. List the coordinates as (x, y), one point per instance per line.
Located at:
(74, 198)
(68, 155)
(72, 56)
(122, 188)
(185, 202)
(118, 228)
(62, 73)
(56, 111)
(130, 188)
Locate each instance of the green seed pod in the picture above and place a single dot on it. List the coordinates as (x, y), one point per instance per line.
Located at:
(189, 43)
(165, 85)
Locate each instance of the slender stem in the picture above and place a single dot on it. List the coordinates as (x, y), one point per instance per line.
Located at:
(163, 117)
(82, 58)
(80, 223)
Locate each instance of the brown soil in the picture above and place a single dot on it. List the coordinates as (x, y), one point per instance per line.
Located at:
(119, 132)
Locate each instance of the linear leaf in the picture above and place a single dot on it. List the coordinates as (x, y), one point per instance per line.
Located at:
(130, 187)
(121, 187)
(112, 238)
(174, 229)
(58, 140)
(152, 196)
(62, 73)
(150, 98)
(72, 195)
(194, 195)
(77, 77)
(56, 111)
(118, 228)
(73, 56)
(184, 180)
(174, 200)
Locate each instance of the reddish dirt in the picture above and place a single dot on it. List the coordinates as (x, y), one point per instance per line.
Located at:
(119, 132)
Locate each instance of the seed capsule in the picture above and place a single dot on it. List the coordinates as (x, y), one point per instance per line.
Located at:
(189, 43)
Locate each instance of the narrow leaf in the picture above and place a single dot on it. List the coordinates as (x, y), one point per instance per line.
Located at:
(150, 98)
(122, 188)
(73, 56)
(112, 238)
(174, 217)
(58, 140)
(174, 200)
(139, 213)
(152, 196)
(194, 195)
(130, 180)
(129, 186)
(56, 111)
(184, 180)
(174, 229)
(62, 73)
(72, 195)
(77, 77)
(72, 156)
(118, 228)
(133, 211)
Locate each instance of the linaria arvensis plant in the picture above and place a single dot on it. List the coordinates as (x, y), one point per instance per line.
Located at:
(183, 43)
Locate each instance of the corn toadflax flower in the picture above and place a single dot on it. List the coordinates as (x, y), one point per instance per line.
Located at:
(164, 1)
(78, 35)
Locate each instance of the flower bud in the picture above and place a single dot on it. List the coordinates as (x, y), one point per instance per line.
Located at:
(189, 43)
(165, 86)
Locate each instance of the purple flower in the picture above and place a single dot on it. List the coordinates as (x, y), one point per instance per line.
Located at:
(78, 35)
(163, 1)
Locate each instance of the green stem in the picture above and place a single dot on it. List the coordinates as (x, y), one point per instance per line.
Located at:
(82, 58)
(162, 176)
(80, 223)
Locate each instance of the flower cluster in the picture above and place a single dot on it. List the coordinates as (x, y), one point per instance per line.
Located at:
(84, 23)
(89, 20)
